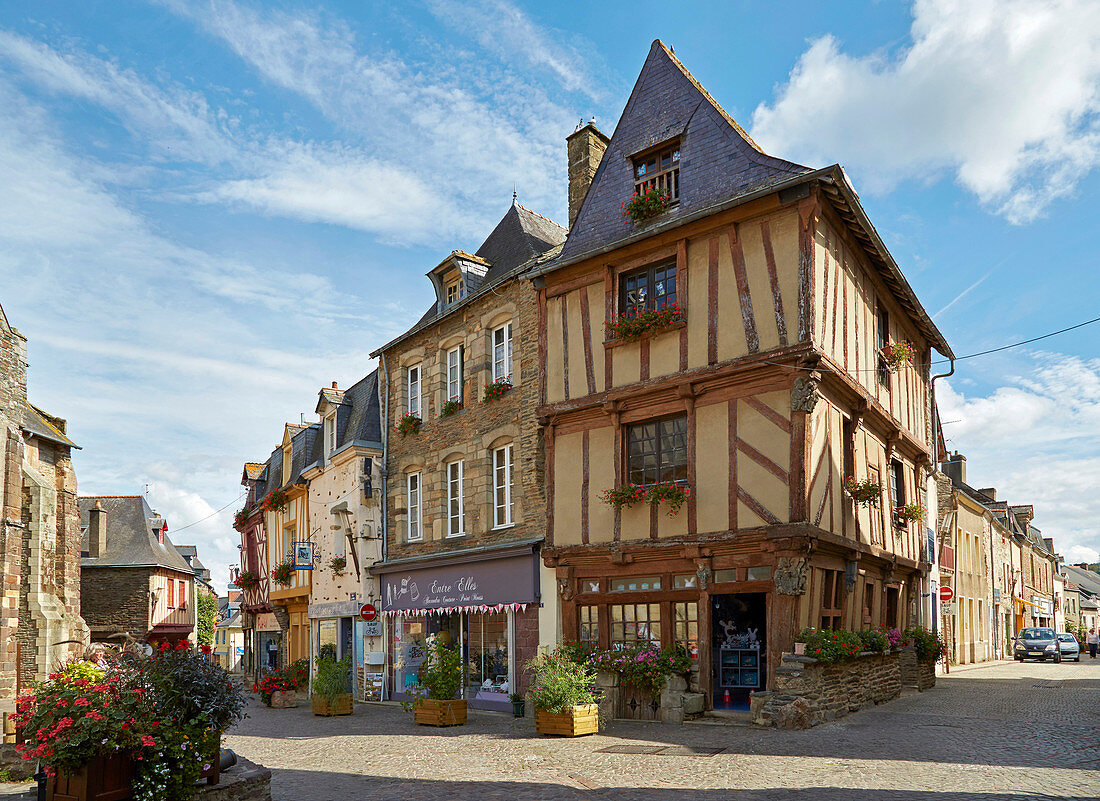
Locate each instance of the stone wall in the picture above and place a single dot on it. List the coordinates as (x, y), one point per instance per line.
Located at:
(245, 781)
(808, 692)
(116, 599)
(914, 673)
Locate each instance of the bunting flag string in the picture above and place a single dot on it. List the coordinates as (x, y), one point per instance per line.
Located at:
(447, 610)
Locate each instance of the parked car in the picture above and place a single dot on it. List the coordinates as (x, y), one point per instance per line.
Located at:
(1041, 644)
(1069, 646)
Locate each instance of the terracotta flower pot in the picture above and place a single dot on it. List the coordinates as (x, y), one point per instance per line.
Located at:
(430, 712)
(584, 719)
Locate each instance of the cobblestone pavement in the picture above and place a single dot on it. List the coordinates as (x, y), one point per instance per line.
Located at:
(998, 733)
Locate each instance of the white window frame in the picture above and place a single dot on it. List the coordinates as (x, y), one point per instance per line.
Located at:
(455, 288)
(454, 374)
(502, 352)
(414, 497)
(330, 435)
(503, 468)
(412, 380)
(456, 517)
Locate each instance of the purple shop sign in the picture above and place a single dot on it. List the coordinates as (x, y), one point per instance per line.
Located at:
(511, 580)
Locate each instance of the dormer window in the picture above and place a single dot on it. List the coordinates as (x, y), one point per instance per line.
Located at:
(659, 169)
(330, 434)
(454, 290)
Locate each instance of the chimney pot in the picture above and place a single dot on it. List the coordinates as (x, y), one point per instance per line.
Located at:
(585, 148)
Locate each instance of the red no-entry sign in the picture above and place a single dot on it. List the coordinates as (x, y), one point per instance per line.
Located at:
(946, 594)
(368, 612)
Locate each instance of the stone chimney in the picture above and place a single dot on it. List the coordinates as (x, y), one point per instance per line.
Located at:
(97, 531)
(1050, 543)
(955, 468)
(990, 491)
(586, 146)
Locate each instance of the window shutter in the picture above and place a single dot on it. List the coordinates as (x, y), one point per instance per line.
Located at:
(461, 373)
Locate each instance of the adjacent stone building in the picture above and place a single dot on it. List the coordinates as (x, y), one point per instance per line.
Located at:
(760, 386)
(40, 622)
(135, 585)
(464, 468)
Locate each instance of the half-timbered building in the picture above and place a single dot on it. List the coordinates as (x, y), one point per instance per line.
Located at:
(758, 387)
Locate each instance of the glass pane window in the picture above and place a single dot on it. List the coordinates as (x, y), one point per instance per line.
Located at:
(415, 532)
(414, 390)
(759, 573)
(832, 599)
(636, 584)
(454, 374)
(729, 574)
(588, 625)
(685, 632)
(685, 581)
(502, 486)
(660, 170)
(897, 484)
(455, 517)
(648, 289)
(657, 451)
(502, 353)
(635, 623)
(486, 653)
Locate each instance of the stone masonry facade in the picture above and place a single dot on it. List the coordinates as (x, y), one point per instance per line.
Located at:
(121, 601)
(473, 432)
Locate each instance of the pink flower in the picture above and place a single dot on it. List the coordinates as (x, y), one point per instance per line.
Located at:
(148, 740)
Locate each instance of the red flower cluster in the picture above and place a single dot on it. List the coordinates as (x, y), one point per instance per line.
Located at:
(496, 390)
(641, 207)
(628, 327)
(409, 424)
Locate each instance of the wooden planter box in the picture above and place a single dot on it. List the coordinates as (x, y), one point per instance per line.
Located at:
(102, 779)
(583, 719)
(214, 774)
(341, 705)
(440, 713)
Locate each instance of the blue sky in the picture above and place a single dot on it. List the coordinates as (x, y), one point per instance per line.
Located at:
(212, 209)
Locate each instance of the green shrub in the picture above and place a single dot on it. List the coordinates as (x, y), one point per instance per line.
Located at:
(928, 643)
(827, 645)
(559, 683)
(873, 640)
(332, 677)
(440, 675)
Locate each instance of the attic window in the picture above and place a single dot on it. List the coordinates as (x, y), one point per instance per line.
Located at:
(454, 290)
(659, 169)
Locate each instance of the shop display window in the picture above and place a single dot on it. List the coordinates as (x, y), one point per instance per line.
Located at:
(636, 583)
(486, 657)
(635, 623)
(588, 620)
(685, 631)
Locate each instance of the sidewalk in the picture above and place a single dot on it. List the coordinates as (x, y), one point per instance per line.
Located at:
(972, 666)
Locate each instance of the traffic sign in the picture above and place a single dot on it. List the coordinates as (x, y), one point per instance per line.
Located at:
(946, 594)
(368, 612)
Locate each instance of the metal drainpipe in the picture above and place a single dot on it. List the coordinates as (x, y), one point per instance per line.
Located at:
(384, 389)
(932, 445)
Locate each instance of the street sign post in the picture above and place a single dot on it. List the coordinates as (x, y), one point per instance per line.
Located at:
(946, 594)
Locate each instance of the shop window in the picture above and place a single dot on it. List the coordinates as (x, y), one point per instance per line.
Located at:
(456, 526)
(502, 487)
(649, 289)
(657, 451)
(685, 581)
(413, 490)
(659, 170)
(882, 340)
(502, 353)
(454, 374)
(685, 632)
(487, 657)
(413, 376)
(832, 599)
(635, 623)
(761, 573)
(588, 625)
(636, 584)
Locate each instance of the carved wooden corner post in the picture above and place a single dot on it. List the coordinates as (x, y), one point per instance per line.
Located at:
(804, 397)
(612, 409)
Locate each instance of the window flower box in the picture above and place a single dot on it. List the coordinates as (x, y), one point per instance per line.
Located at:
(898, 354)
(409, 424)
(864, 493)
(275, 501)
(911, 512)
(644, 206)
(496, 390)
(248, 580)
(624, 495)
(338, 564)
(631, 327)
(241, 517)
(450, 407)
(670, 493)
(283, 574)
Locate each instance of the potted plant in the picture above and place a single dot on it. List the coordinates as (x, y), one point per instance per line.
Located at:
(409, 424)
(496, 390)
(241, 517)
(283, 573)
(450, 407)
(519, 705)
(670, 493)
(275, 501)
(434, 702)
(898, 354)
(645, 205)
(864, 493)
(338, 564)
(909, 513)
(563, 695)
(330, 687)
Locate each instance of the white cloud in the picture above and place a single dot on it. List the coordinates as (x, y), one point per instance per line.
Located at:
(1004, 94)
(1037, 441)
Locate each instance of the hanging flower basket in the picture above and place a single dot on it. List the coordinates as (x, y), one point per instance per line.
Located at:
(909, 513)
(496, 390)
(635, 326)
(450, 407)
(898, 354)
(241, 517)
(409, 424)
(283, 574)
(248, 580)
(275, 501)
(645, 206)
(624, 495)
(669, 493)
(864, 493)
(338, 564)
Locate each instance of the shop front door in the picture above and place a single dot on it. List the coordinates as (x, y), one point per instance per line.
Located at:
(739, 625)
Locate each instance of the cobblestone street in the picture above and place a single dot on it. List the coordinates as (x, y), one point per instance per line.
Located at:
(993, 733)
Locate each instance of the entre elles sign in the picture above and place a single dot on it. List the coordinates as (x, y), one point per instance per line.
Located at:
(486, 582)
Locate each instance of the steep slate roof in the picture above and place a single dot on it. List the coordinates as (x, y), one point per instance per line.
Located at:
(1084, 579)
(718, 160)
(521, 236)
(364, 421)
(131, 541)
(39, 423)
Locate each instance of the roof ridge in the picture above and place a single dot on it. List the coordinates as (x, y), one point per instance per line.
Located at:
(541, 216)
(109, 496)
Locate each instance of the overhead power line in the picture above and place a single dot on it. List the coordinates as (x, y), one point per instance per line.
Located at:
(218, 511)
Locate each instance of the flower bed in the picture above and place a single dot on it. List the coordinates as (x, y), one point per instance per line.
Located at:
(409, 424)
(496, 390)
(161, 717)
(292, 677)
(635, 326)
(645, 206)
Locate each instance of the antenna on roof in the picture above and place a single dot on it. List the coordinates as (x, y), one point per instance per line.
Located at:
(514, 195)
(146, 489)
